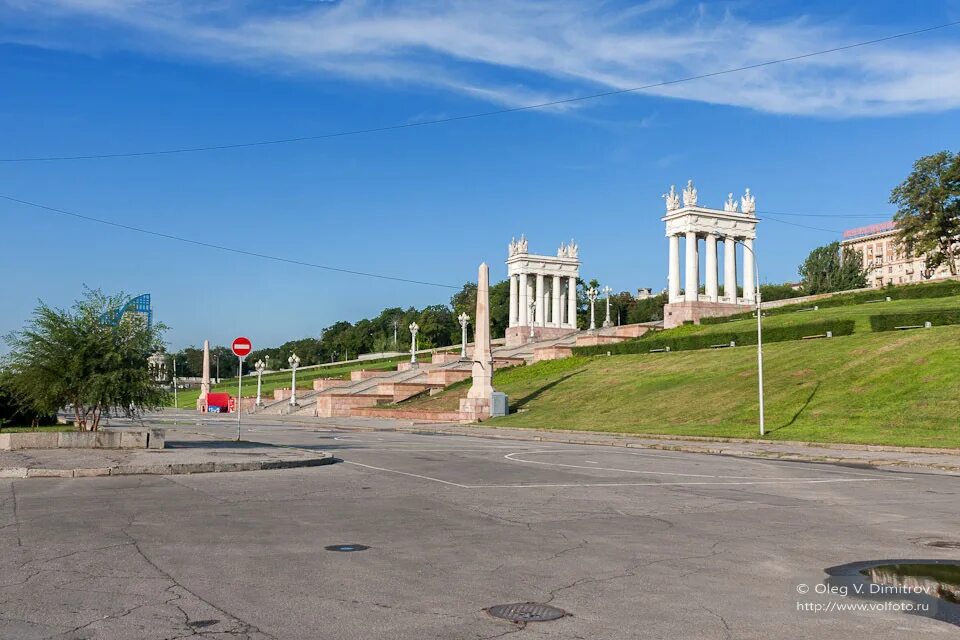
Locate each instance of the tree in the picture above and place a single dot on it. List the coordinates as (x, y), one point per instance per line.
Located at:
(828, 269)
(78, 357)
(928, 210)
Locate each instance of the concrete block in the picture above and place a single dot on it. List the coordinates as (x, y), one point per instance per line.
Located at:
(133, 439)
(76, 439)
(90, 473)
(107, 439)
(13, 472)
(34, 440)
(49, 473)
(4, 442)
(157, 439)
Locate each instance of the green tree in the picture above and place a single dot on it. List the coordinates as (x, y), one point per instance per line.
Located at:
(828, 269)
(928, 210)
(75, 357)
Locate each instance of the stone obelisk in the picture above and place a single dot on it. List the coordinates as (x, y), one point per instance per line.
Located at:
(205, 382)
(477, 404)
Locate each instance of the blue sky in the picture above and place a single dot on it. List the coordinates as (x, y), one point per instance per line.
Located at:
(829, 135)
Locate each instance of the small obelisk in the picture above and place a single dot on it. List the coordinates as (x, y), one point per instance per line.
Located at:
(477, 404)
(205, 382)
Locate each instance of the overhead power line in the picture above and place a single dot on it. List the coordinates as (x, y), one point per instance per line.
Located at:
(211, 245)
(482, 114)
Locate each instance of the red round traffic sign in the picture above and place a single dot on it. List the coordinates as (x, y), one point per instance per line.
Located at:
(241, 347)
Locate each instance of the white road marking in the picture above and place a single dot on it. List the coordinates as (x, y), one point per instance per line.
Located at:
(616, 484)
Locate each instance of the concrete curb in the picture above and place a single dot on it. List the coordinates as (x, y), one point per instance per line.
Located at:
(167, 469)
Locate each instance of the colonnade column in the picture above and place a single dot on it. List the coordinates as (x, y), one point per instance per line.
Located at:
(523, 302)
(712, 286)
(730, 269)
(541, 312)
(514, 301)
(572, 302)
(749, 293)
(673, 276)
(555, 319)
(692, 287)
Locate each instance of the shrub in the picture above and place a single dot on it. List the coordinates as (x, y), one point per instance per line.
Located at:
(707, 340)
(890, 321)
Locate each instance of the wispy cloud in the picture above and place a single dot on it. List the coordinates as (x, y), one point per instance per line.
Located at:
(518, 52)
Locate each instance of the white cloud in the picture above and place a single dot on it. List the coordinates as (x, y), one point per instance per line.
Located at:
(517, 52)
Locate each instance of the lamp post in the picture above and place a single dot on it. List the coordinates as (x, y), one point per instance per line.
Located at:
(217, 356)
(175, 404)
(396, 323)
(294, 362)
(592, 296)
(259, 366)
(414, 327)
(268, 362)
(464, 321)
(606, 291)
(756, 269)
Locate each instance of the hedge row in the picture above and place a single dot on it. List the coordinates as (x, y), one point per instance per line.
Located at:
(890, 321)
(707, 340)
(900, 292)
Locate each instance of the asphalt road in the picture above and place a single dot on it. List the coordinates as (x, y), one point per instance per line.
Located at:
(632, 544)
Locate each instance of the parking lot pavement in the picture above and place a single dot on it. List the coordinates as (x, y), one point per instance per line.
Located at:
(630, 543)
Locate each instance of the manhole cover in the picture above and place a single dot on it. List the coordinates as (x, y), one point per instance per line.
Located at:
(526, 612)
(347, 547)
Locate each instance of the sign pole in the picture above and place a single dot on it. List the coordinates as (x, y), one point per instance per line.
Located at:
(239, 393)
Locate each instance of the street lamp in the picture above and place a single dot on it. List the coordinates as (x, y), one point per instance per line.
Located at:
(464, 321)
(268, 362)
(396, 324)
(217, 356)
(414, 327)
(606, 291)
(592, 296)
(756, 268)
(259, 366)
(294, 362)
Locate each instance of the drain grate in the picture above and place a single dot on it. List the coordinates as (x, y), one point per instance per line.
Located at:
(347, 547)
(526, 612)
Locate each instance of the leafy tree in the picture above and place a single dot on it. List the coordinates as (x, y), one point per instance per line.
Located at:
(771, 292)
(928, 210)
(828, 269)
(14, 411)
(74, 357)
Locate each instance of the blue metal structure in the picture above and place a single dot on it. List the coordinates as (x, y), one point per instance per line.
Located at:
(140, 304)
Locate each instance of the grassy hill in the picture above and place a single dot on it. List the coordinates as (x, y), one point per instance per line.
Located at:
(896, 388)
(187, 398)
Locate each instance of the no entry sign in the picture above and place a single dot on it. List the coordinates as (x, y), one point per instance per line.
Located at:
(241, 347)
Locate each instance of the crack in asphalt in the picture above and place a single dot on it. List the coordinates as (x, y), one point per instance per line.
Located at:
(16, 517)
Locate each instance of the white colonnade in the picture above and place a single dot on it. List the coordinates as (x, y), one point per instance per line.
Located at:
(549, 282)
(735, 223)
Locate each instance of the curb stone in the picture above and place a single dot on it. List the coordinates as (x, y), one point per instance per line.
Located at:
(167, 469)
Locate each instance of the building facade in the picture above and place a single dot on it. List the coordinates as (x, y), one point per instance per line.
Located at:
(543, 292)
(884, 261)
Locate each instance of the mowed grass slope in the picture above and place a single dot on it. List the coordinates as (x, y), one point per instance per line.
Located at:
(860, 314)
(896, 388)
(187, 398)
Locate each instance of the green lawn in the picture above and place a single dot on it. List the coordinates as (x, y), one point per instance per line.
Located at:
(52, 427)
(895, 388)
(859, 313)
(187, 398)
